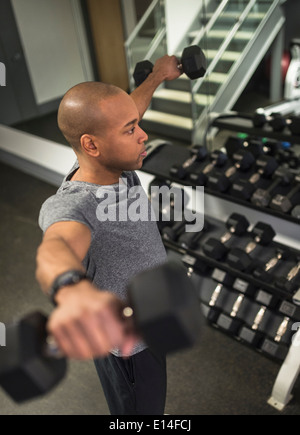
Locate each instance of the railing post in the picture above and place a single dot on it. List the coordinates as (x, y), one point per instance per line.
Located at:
(275, 70)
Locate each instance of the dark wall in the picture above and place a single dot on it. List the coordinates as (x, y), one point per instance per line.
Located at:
(292, 29)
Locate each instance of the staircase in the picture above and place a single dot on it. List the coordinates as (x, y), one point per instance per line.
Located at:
(235, 35)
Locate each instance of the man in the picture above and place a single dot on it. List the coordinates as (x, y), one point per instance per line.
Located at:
(80, 254)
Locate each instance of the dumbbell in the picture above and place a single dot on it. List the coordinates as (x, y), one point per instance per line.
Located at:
(190, 240)
(284, 203)
(262, 197)
(193, 64)
(213, 311)
(218, 159)
(231, 323)
(244, 188)
(276, 348)
(240, 259)
(275, 120)
(221, 180)
(263, 272)
(237, 225)
(198, 154)
(279, 123)
(296, 212)
(243, 161)
(291, 280)
(173, 232)
(252, 335)
(252, 145)
(214, 293)
(163, 306)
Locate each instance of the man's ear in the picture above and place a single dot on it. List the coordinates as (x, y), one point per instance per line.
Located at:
(89, 145)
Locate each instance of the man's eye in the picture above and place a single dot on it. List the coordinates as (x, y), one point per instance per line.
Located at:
(131, 131)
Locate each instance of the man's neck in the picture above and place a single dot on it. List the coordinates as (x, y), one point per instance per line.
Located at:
(97, 175)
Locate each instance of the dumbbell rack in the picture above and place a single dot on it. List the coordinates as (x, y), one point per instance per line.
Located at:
(169, 155)
(240, 123)
(209, 272)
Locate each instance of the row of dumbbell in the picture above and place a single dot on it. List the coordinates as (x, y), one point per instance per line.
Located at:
(277, 122)
(252, 314)
(262, 263)
(218, 176)
(282, 152)
(235, 249)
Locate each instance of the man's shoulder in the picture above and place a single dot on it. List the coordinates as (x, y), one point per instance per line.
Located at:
(71, 202)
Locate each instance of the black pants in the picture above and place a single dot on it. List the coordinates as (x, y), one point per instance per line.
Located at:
(135, 385)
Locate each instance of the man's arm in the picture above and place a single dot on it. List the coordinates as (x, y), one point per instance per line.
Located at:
(165, 68)
(86, 323)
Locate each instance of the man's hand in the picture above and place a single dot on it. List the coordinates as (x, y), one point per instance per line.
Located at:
(87, 323)
(166, 68)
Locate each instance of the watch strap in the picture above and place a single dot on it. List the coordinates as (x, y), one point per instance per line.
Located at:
(70, 277)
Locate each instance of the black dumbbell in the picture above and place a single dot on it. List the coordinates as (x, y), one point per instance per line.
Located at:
(221, 180)
(214, 311)
(232, 323)
(262, 197)
(279, 123)
(240, 259)
(296, 212)
(260, 119)
(264, 272)
(237, 225)
(193, 64)
(244, 188)
(198, 154)
(243, 159)
(277, 347)
(253, 335)
(190, 240)
(284, 203)
(291, 280)
(275, 120)
(166, 312)
(218, 159)
(173, 232)
(293, 123)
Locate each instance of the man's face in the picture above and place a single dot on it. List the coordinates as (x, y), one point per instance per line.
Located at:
(123, 141)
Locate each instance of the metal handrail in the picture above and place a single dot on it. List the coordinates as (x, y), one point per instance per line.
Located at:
(267, 15)
(225, 44)
(211, 22)
(156, 42)
(140, 24)
(153, 46)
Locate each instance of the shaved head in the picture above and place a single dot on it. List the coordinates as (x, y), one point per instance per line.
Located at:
(80, 112)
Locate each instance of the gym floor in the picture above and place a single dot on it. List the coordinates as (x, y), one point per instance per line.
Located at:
(219, 376)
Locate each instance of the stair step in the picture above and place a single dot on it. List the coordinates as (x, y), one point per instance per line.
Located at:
(183, 97)
(235, 15)
(222, 34)
(168, 120)
(214, 77)
(230, 56)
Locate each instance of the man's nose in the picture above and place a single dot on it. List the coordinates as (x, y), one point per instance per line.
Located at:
(143, 135)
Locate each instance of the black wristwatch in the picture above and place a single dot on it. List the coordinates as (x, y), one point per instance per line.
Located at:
(67, 278)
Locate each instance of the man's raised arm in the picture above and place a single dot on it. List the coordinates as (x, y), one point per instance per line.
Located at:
(165, 68)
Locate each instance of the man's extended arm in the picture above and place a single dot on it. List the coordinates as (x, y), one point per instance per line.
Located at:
(165, 68)
(86, 322)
